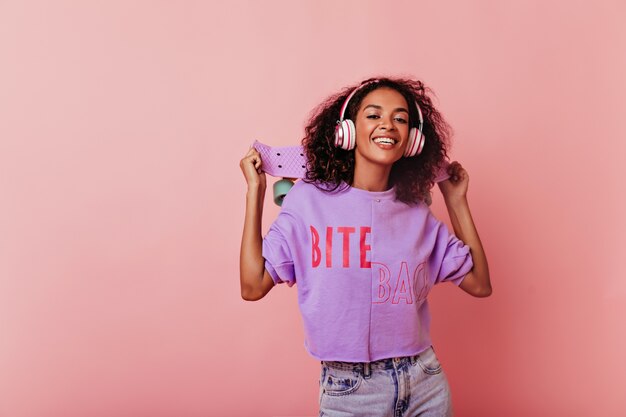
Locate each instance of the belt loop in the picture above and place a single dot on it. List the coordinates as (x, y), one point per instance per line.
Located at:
(366, 370)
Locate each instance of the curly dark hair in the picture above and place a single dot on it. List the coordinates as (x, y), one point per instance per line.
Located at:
(413, 177)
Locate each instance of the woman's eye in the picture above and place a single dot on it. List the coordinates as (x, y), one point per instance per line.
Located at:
(400, 119)
(372, 116)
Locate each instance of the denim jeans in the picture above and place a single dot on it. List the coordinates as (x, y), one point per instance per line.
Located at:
(407, 386)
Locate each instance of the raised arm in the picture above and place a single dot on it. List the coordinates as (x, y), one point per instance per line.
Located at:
(255, 280)
(477, 282)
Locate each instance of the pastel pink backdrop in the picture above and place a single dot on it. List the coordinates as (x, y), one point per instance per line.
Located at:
(121, 206)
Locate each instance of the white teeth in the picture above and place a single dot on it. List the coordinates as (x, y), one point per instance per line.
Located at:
(385, 140)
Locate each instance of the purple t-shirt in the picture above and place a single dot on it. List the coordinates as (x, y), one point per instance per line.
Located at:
(364, 264)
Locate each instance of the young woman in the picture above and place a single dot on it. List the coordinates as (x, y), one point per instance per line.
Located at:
(364, 248)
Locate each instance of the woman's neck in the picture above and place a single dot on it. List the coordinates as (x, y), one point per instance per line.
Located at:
(371, 177)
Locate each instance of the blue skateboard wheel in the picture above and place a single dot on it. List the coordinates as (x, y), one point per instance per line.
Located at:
(281, 188)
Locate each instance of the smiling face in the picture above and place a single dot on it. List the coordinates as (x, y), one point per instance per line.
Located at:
(382, 127)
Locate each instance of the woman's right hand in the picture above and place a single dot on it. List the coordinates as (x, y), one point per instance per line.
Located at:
(251, 168)
(255, 281)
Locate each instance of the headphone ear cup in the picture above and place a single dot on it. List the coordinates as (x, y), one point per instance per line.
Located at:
(345, 135)
(411, 147)
(415, 143)
(422, 140)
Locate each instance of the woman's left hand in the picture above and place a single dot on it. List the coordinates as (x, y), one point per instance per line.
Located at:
(456, 186)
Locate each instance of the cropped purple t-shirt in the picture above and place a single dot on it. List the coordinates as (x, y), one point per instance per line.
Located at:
(364, 264)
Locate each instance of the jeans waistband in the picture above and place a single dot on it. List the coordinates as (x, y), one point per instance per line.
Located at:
(379, 364)
(387, 363)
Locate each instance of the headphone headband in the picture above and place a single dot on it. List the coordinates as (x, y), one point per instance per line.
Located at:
(365, 84)
(345, 104)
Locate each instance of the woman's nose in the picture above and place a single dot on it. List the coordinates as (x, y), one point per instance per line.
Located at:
(385, 123)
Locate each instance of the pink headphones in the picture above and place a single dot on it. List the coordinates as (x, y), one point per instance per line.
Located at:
(345, 132)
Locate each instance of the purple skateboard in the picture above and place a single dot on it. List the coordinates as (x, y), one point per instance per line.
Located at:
(285, 161)
(289, 163)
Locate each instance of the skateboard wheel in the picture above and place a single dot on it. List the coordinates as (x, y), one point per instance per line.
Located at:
(281, 188)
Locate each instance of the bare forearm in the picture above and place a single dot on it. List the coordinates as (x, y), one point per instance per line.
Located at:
(251, 263)
(464, 228)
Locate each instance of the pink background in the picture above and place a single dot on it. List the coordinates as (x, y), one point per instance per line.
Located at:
(121, 199)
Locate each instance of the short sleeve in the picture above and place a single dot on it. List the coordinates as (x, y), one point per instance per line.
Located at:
(276, 249)
(451, 259)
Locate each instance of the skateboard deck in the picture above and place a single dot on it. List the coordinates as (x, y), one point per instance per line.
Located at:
(282, 161)
(289, 163)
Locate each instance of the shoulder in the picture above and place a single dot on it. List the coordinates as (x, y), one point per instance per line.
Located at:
(301, 187)
(302, 192)
(430, 217)
(299, 190)
(297, 194)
